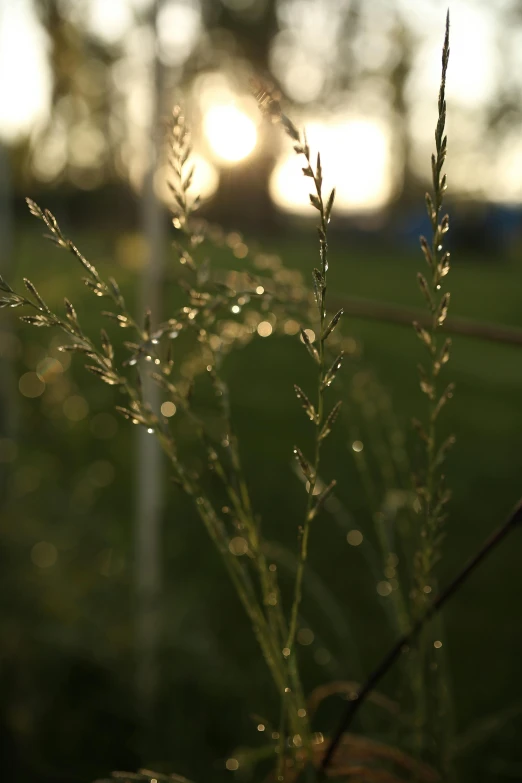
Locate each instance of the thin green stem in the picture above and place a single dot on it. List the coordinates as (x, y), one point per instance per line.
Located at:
(431, 496)
(319, 420)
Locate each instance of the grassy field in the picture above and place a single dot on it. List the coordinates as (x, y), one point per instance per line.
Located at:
(67, 674)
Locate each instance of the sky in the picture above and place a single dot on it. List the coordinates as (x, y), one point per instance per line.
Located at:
(358, 143)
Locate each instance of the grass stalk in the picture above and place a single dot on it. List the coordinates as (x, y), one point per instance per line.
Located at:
(275, 627)
(431, 493)
(320, 287)
(139, 412)
(325, 376)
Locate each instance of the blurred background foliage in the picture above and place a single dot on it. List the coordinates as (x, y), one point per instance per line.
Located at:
(86, 87)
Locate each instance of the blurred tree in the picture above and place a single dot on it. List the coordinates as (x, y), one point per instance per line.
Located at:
(78, 144)
(340, 56)
(399, 74)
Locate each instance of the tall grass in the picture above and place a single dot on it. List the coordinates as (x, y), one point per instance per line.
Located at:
(218, 315)
(432, 494)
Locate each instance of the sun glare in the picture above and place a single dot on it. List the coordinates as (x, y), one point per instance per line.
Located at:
(356, 160)
(231, 134)
(25, 80)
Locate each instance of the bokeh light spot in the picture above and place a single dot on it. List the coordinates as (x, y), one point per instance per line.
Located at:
(31, 385)
(168, 409)
(238, 546)
(75, 408)
(305, 636)
(264, 329)
(384, 588)
(291, 327)
(354, 537)
(49, 369)
(44, 554)
(310, 334)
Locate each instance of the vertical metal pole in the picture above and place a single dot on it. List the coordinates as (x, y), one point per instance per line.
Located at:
(149, 467)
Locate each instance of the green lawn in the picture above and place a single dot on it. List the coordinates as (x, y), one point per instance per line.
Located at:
(69, 626)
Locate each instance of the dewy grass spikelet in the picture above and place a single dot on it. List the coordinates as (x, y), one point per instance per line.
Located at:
(312, 170)
(266, 615)
(430, 491)
(432, 495)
